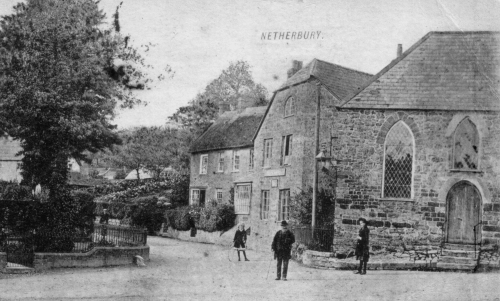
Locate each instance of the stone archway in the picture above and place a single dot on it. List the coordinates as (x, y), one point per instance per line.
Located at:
(463, 213)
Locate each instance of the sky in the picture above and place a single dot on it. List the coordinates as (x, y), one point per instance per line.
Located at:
(199, 39)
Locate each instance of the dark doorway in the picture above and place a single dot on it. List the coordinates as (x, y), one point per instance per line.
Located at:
(464, 209)
(203, 194)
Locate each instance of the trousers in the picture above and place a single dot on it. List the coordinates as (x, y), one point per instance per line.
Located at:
(284, 262)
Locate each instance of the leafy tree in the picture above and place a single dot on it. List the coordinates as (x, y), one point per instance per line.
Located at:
(234, 88)
(152, 148)
(62, 74)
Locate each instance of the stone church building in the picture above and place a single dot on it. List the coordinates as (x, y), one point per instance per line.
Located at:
(417, 146)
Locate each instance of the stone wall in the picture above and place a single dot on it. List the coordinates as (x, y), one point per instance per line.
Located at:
(361, 135)
(97, 257)
(298, 174)
(223, 180)
(216, 237)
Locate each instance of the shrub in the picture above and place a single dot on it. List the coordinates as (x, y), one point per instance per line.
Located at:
(120, 175)
(147, 212)
(210, 218)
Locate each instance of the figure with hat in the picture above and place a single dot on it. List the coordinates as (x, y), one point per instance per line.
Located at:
(282, 248)
(362, 247)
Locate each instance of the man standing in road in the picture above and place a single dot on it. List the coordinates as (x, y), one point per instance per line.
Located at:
(282, 248)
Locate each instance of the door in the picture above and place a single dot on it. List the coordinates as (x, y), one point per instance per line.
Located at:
(203, 193)
(464, 203)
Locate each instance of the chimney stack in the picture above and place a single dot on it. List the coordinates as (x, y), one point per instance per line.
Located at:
(296, 66)
(400, 50)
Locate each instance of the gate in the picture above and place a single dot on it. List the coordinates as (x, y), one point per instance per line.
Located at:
(20, 252)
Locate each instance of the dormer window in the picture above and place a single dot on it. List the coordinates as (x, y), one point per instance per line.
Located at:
(290, 107)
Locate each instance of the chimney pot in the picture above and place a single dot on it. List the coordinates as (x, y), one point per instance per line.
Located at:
(400, 50)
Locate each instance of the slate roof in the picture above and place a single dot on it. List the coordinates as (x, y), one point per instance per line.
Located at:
(9, 148)
(340, 81)
(442, 71)
(230, 130)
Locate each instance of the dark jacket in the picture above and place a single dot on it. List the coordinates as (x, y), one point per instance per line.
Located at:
(362, 247)
(240, 236)
(282, 244)
(104, 219)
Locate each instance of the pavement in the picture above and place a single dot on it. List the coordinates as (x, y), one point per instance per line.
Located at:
(180, 270)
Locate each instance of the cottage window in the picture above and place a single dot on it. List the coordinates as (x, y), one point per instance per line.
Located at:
(203, 164)
(268, 152)
(236, 160)
(264, 205)
(286, 150)
(466, 146)
(289, 107)
(220, 163)
(250, 160)
(242, 199)
(195, 196)
(398, 162)
(284, 205)
(218, 195)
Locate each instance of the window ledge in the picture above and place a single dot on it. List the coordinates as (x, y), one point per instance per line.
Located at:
(466, 170)
(397, 199)
(289, 116)
(235, 171)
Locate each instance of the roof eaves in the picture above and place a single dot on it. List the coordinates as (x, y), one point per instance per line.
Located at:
(221, 148)
(387, 68)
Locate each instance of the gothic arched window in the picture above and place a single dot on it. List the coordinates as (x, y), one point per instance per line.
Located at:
(398, 162)
(466, 146)
(289, 107)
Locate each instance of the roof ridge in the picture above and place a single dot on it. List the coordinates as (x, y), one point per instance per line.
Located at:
(346, 68)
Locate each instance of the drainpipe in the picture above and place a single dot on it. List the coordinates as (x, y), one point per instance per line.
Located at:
(316, 151)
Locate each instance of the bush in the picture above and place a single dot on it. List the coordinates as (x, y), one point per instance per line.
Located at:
(209, 219)
(148, 213)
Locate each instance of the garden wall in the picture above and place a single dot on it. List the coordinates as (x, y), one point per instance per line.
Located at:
(98, 257)
(217, 237)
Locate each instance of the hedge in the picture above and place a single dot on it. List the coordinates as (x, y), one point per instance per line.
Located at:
(212, 218)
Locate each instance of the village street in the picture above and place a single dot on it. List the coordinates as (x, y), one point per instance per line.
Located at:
(190, 271)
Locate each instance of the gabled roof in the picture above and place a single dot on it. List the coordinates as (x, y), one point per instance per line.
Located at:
(230, 130)
(340, 81)
(442, 71)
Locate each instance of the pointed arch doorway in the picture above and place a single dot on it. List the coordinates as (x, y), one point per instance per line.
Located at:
(463, 204)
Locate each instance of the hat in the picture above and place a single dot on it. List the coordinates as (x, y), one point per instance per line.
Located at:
(362, 219)
(284, 223)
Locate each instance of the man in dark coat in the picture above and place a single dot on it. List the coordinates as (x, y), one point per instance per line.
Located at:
(282, 248)
(362, 247)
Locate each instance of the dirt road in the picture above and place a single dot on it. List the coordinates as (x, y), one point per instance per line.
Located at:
(190, 271)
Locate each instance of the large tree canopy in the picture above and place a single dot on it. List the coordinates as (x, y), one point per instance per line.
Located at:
(234, 88)
(151, 148)
(63, 72)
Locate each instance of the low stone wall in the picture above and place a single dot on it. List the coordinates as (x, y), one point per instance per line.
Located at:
(98, 257)
(217, 237)
(326, 260)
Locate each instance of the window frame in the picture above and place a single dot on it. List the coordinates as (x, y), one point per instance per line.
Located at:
(290, 104)
(264, 204)
(281, 216)
(220, 162)
(267, 153)
(191, 196)
(412, 189)
(217, 192)
(251, 162)
(201, 164)
(236, 160)
(238, 207)
(453, 147)
(286, 142)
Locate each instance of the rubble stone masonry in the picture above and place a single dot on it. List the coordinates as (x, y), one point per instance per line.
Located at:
(422, 218)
